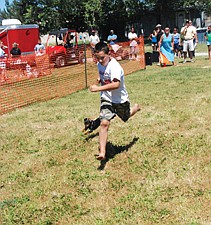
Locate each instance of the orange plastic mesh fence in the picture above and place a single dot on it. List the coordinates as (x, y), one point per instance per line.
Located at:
(31, 78)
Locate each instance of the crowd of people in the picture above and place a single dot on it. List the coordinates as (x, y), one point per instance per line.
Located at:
(112, 40)
(178, 44)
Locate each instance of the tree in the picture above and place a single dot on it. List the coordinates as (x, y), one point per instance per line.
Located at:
(201, 5)
(98, 14)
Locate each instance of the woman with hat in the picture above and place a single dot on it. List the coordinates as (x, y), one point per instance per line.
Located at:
(15, 51)
(159, 32)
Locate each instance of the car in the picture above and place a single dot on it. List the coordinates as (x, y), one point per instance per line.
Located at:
(65, 49)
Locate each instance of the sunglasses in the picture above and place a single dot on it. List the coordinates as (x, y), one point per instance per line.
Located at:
(100, 58)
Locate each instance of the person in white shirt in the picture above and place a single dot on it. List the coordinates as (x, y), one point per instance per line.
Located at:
(188, 32)
(39, 48)
(2, 52)
(113, 95)
(93, 39)
(195, 37)
(132, 36)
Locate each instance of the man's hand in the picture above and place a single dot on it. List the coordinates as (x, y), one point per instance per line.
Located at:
(94, 88)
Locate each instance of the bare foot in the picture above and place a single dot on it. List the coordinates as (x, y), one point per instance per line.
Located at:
(138, 108)
(100, 157)
(134, 109)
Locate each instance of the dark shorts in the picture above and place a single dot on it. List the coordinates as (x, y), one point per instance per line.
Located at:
(109, 110)
(176, 47)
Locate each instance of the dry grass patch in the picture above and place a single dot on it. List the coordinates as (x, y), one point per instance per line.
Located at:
(158, 169)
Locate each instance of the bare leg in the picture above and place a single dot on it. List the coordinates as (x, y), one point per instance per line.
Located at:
(191, 54)
(134, 110)
(209, 50)
(103, 135)
(185, 56)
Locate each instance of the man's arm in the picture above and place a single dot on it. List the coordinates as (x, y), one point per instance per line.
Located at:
(205, 36)
(159, 43)
(196, 37)
(184, 30)
(108, 87)
(114, 38)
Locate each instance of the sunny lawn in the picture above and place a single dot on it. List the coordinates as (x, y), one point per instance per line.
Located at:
(158, 167)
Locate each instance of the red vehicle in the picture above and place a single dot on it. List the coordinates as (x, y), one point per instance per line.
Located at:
(25, 35)
(65, 49)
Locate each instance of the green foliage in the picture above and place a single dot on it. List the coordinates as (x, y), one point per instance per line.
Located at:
(202, 5)
(88, 14)
(93, 12)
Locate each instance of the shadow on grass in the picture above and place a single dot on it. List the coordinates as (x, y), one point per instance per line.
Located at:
(92, 136)
(113, 150)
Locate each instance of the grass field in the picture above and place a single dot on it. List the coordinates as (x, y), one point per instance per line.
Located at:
(158, 167)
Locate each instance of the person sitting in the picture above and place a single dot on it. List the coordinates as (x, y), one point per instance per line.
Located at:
(15, 51)
(71, 40)
(112, 38)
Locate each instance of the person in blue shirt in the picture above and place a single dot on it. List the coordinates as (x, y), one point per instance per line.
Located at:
(153, 39)
(176, 36)
(166, 45)
(207, 36)
(112, 38)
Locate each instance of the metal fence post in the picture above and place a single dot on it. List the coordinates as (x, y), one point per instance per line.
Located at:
(85, 61)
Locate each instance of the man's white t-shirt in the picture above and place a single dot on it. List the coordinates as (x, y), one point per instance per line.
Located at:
(131, 35)
(108, 73)
(94, 39)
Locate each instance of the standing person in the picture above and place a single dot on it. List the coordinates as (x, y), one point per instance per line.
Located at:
(15, 51)
(112, 38)
(113, 95)
(166, 45)
(93, 39)
(39, 47)
(189, 32)
(176, 36)
(195, 37)
(153, 39)
(2, 52)
(132, 36)
(207, 37)
(159, 32)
